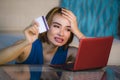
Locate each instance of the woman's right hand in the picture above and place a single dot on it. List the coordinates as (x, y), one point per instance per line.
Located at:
(31, 32)
(73, 21)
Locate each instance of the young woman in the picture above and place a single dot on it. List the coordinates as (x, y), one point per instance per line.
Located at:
(51, 47)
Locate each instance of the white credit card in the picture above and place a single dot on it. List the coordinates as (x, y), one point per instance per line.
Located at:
(43, 26)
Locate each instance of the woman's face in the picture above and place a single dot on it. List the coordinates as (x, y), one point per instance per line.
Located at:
(59, 31)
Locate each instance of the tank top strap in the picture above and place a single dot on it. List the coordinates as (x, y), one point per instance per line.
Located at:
(36, 54)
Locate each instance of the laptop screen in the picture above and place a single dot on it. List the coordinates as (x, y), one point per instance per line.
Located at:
(93, 52)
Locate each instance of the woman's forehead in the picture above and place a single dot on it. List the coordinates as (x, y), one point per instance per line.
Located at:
(57, 18)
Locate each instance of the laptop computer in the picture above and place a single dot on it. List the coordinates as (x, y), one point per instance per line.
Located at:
(92, 53)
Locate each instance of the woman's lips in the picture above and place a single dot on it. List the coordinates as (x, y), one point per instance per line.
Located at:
(59, 40)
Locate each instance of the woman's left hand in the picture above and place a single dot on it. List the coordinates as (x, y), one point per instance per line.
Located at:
(73, 21)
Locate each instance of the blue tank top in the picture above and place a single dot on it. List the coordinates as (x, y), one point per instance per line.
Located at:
(36, 57)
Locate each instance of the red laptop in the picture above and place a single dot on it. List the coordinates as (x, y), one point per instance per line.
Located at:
(92, 53)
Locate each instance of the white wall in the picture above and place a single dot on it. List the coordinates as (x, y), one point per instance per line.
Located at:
(17, 14)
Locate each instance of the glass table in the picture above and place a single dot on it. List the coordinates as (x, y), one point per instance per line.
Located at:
(24, 72)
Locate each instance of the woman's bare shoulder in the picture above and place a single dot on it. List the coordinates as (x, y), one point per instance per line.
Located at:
(72, 50)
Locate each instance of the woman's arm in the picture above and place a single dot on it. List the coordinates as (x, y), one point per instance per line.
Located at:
(73, 21)
(13, 52)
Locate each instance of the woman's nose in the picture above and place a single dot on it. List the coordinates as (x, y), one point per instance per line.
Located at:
(61, 32)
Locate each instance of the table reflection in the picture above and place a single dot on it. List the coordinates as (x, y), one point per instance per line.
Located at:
(45, 72)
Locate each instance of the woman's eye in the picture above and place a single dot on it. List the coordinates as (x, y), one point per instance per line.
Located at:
(68, 29)
(56, 26)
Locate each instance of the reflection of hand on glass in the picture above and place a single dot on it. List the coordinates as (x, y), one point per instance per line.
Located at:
(66, 76)
(16, 72)
(49, 76)
(49, 73)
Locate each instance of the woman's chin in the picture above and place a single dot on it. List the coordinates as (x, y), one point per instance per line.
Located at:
(58, 44)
